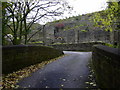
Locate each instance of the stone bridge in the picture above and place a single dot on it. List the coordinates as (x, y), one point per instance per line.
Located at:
(76, 47)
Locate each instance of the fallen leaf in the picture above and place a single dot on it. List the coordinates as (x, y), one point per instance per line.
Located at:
(91, 83)
(62, 85)
(87, 82)
(74, 79)
(64, 79)
(90, 76)
(81, 76)
(94, 85)
(46, 87)
(10, 80)
(28, 85)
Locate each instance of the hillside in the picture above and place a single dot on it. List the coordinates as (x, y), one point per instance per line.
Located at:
(75, 29)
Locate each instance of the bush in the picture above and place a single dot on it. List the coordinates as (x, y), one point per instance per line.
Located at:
(109, 45)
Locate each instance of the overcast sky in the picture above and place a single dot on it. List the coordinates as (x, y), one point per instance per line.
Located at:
(87, 6)
(84, 6)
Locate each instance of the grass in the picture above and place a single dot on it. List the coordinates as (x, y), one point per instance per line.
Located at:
(83, 30)
(109, 45)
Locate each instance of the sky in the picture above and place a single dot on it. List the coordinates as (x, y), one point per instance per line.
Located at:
(87, 6)
(83, 7)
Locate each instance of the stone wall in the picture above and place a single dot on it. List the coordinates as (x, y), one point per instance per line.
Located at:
(106, 65)
(19, 56)
(77, 30)
(76, 47)
(73, 31)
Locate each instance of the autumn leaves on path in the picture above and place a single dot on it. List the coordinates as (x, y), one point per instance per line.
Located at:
(70, 71)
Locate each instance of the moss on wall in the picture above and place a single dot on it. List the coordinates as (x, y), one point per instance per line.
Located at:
(20, 56)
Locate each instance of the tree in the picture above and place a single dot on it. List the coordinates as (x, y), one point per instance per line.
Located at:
(109, 18)
(5, 20)
(23, 14)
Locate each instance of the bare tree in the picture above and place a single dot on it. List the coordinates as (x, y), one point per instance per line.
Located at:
(25, 13)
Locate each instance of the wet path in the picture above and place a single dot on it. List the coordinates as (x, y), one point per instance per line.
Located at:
(68, 72)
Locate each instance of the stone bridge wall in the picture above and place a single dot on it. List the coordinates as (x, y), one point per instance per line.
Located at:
(19, 56)
(106, 64)
(76, 47)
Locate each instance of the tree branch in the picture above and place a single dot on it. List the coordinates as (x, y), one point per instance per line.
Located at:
(33, 35)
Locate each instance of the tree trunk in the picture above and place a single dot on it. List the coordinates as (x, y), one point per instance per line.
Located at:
(15, 39)
(26, 31)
